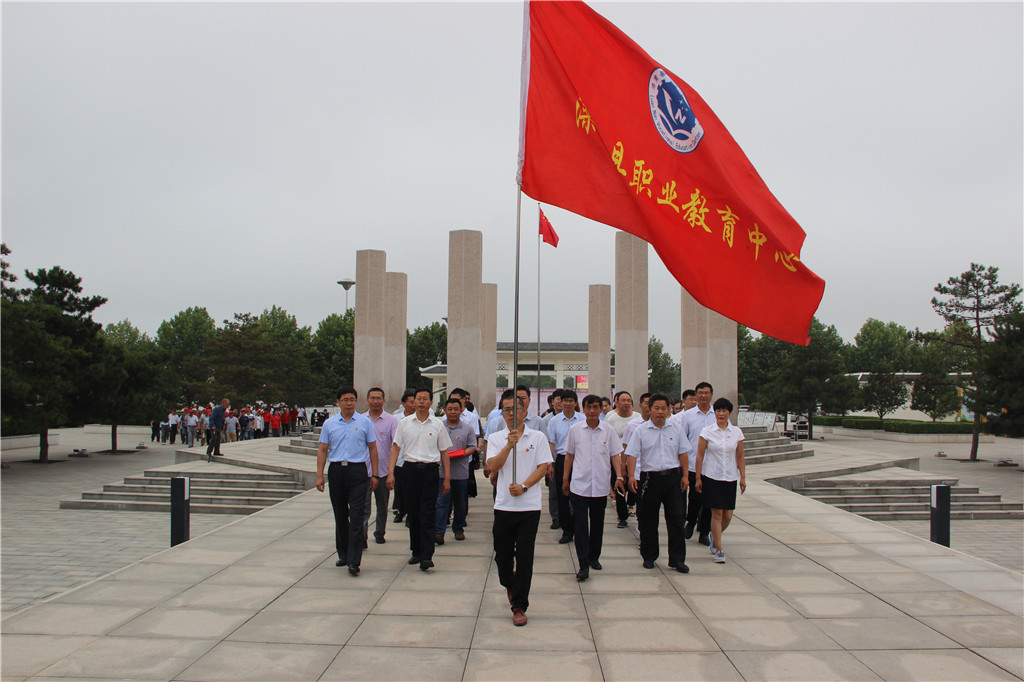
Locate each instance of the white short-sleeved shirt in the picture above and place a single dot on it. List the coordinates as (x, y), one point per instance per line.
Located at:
(421, 441)
(719, 460)
(691, 423)
(532, 450)
(592, 450)
(620, 423)
(656, 449)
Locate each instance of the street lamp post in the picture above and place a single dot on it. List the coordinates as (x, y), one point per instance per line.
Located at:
(346, 285)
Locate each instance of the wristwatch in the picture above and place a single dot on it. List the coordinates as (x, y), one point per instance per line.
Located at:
(525, 488)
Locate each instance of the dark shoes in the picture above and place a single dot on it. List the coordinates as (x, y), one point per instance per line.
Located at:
(583, 574)
(379, 541)
(414, 560)
(460, 536)
(426, 564)
(353, 571)
(688, 530)
(438, 539)
(340, 562)
(704, 539)
(554, 525)
(682, 568)
(518, 617)
(565, 539)
(596, 565)
(622, 523)
(648, 564)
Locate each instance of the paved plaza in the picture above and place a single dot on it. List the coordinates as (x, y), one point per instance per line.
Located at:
(808, 592)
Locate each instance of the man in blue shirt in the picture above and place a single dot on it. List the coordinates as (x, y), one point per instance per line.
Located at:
(558, 432)
(348, 441)
(216, 428)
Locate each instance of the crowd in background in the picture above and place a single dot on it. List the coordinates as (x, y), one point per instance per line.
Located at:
(192, 424)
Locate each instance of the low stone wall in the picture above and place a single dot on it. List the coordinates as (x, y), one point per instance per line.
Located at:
(104, 429)
(904, 437)
(26, 442)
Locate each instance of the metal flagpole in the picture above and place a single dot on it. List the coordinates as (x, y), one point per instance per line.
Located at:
(515, 339)
(539, 240)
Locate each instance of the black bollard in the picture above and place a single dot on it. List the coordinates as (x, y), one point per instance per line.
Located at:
(179, 510)
(940, 515)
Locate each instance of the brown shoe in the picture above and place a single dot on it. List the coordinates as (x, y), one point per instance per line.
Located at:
(460, 536)
(438, 539)
(518, 617)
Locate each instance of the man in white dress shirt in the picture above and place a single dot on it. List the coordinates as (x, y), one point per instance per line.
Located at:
(691, 423)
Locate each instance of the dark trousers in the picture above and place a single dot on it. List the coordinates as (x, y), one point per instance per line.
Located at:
(174, 432)
(564, 508)
(588, 539)
(659, 488)
(456, 500)
(419, 485)
(515, 534)
(349, 485)
(398, 501)
(213, 444)
(696, 512)
(623, 502)
(380, 497)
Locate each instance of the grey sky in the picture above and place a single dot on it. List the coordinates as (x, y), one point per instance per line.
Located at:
(235, 156)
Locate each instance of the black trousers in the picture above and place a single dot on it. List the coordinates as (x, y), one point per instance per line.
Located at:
(380, 497)
(213, 443)
(419, 486)
(398, 501)
(623, 502)
(515, 535)
(349, 485)
(696, 512)
(659, 488)
(564, 508)
(589, 515)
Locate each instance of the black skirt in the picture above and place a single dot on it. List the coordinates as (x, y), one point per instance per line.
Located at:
(718, 494)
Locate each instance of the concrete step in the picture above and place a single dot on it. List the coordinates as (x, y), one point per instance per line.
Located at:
(193, 499)
(953, 515)
(203, 490)
(769, 447)
(866, 491)
(165, 507)
(889, 499)
(298, 449)
(862, 508)
(901, 483)
(275, 483)
(777, 456)
(241, 475)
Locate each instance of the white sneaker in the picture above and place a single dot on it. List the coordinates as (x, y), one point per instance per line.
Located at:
(719, 557)
(711, 548)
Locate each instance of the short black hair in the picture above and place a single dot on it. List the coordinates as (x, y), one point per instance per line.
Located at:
(688, 393)
(457, 391)
(377, 389)
(661, 396)
(408, 393)
(569, 394)
(451, 401)
(424, 390)
(704, 384)
(346, 390)
(507, 393)
(644, 395)
(590, 399)
(723, 404)
(623, 393)
(522, 387)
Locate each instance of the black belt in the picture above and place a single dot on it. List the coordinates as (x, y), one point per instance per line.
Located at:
(422, 465)
(348, 464)
(663, 472)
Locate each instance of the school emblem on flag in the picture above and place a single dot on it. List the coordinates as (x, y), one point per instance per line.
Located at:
(673, 117)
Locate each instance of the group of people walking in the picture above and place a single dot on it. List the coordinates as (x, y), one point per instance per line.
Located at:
(687, 465)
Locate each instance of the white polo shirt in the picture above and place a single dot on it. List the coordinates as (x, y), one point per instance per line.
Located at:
(656, 449)
(532, 450)
(719, 460)
(691, 423)
(592, 450)
(421, 441)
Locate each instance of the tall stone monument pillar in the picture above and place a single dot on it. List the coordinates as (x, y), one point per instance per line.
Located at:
(694, 357)
(630, 314)
(395, 302)
(599, 340)
(370, 320)
(484, 399)
(465, 272)
(709, 350)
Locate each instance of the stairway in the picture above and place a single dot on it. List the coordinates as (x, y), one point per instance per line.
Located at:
(761, 446)
(906, 498)
(215, 492)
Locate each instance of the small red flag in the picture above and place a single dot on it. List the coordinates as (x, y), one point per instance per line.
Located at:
(610, 134)
(547, 232)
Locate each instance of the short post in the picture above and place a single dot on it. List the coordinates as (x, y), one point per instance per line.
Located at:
(179, 510)
(940, 515)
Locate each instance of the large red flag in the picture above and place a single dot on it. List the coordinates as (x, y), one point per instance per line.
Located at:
(547, 232)
(610, 134)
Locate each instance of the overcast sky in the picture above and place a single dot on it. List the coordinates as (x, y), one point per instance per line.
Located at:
(236, 156)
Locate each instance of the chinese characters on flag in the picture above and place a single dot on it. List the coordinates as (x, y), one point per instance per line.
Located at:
(610, 134)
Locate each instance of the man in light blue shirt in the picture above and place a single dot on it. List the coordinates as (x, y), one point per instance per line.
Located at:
(558, 433)
(348, 442)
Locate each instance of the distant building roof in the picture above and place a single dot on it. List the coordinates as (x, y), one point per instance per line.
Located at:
(525, 346)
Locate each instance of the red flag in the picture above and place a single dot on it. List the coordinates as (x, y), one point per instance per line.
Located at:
(610, 134)
(547, 233)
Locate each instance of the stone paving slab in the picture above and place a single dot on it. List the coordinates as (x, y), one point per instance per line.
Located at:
(807, 592)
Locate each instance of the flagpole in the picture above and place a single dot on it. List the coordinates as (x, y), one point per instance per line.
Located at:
(540, 238)
(515, 339)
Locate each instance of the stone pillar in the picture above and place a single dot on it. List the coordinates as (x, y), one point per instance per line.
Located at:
(484, 400)
(599, 340)
(694, 356)
(370, 320)
(630, 314)
(709, 351)
(723, 359)
(395, 300)
(465, 272)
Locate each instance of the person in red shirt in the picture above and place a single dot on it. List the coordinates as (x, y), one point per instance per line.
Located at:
(275, 423)
(286, 420)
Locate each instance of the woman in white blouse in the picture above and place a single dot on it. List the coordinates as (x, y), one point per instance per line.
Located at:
(719, 465)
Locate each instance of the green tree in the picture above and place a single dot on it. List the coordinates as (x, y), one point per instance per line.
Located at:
(977, 299)
(934, 391)
(294, 348)
(334, 350)
(1003, 362)
(884, 393)
(810, 376)
(185, 338)
(758, 361)
(884, 347)
(666, 375)
(425, 346)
